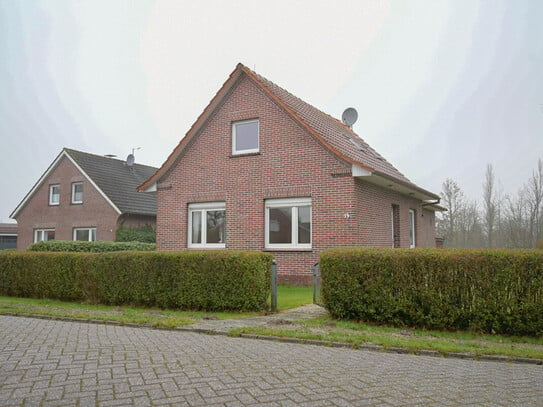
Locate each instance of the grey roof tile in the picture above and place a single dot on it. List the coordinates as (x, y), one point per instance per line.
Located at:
(118, 181)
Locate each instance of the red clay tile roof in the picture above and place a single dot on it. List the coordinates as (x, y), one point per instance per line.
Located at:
(331, 132)
(335, 133)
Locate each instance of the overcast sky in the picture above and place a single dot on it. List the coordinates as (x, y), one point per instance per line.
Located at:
(441, 87)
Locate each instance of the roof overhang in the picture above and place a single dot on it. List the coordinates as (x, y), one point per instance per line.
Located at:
(393, 184)
(51, 167)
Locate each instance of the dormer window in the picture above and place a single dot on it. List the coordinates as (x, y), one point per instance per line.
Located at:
(245, 137)
(54, 194)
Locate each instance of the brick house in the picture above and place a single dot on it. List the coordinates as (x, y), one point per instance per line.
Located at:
(8, 236)
(83, 196)
(261, 169)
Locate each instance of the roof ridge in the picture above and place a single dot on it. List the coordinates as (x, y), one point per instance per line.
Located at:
(67, 149)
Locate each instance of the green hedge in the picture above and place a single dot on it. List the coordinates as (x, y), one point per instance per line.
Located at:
(190, 280)
(485, 290)
(145, 234)
(94, 247)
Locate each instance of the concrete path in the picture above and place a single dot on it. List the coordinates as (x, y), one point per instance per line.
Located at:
(55, 363)
(224, 326)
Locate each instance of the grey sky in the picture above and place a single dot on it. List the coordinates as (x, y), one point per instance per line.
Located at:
(441, 87)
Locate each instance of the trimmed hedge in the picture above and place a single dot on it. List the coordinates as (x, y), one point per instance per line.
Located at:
(93, 247)
(484, 290)
(190, 280)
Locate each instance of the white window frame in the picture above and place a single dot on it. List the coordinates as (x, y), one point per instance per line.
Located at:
(293, 203)
(203, 208)
(42, 233)
(412, 229)
(74, 184)
(92, 233)
(247, 151)
(51, 188)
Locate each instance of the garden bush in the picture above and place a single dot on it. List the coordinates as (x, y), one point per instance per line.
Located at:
(145, 234)
(94, 247)
(190, 280)
(484, 290)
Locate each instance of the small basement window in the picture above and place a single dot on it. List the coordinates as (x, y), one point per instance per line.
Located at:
(245, 137)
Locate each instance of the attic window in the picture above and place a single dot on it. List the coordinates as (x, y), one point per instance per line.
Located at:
(77, 192)
(245, 137)
(54, 194)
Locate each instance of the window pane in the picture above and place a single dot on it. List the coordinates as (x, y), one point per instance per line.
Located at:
(247, 136)
(55, 194)
(82, 234)
(49, 235)
(93, 235)
(412, 228)
(215, 226)
(78, 192)
(197, 227)
(304, 224)
(280, 225)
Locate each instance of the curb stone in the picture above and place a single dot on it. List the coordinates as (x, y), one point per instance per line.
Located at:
(365, 347)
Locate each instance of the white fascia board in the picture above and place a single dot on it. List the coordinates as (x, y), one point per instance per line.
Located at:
(359, 171)
(37, 185)
(109, 201)
(151, 188)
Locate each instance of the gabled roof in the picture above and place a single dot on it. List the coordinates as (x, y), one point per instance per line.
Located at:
(333, 134)
(114, 180)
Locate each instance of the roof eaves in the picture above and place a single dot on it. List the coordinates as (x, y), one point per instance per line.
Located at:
(38, 183)
(109, 201)
(148, 186)
(408, 185)
(302, 122)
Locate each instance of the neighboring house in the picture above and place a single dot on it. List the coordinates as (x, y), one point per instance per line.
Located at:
(8, 236)
(83, 196)
(261, 169)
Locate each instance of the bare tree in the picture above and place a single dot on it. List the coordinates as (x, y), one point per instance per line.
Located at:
(534, 192)
(452, 199)
(489, 205)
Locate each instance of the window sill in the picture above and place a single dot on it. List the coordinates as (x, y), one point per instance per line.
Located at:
(293, 249)
(244, 154)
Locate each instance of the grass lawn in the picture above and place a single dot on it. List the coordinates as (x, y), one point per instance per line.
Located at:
(325, 329)
(291, 296)
(287, 297)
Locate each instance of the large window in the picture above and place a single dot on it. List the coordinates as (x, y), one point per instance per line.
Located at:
(77, 192)
(54, 194)
(412, 228)
(85, 234)
(43, 235)
(207, 223)
(245, 137)
(288, 223)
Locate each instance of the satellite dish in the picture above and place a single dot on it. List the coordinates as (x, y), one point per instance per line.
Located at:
(130, 160)
(349, 116)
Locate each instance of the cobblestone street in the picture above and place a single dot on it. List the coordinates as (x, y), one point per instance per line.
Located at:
(54, 363)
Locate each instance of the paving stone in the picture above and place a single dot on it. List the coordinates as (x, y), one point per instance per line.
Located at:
(67, 363)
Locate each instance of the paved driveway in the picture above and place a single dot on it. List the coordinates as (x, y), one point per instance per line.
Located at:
(57, 363)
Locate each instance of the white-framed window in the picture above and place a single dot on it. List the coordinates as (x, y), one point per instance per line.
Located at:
(288, 223)
(43, 235)
(207, 225)
(77, 192)
(412, 228)
(245, 136)
(54, 194)
(85, 234)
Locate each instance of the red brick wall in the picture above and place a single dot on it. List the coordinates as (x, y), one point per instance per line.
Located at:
(374, 214)
(291, 163)
(93, 212)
